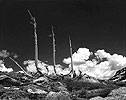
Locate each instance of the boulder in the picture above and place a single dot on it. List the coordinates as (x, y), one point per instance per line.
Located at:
(37, 91)
(97, 98)
(62, 95)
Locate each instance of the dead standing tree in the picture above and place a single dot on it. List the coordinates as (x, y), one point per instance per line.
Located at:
(72, 70)
(36, 43)
(54, 50)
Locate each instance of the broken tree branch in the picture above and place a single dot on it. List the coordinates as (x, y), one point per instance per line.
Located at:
(20, 67)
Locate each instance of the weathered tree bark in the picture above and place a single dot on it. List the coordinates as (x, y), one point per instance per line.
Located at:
(20, 67)
(54, 50)
(72, 71)
(36, 43)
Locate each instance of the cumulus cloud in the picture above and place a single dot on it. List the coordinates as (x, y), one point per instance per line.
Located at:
(30, 66)
(98, 68)
(4, 53)
(79, 57)
(102, 54)
(3, 68)
(45, 68)
(101, 65)
(115, 61)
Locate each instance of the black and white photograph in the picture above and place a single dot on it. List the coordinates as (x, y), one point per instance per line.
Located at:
(62, 50)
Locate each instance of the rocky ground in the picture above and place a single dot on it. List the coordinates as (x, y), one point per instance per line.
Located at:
(18, 86)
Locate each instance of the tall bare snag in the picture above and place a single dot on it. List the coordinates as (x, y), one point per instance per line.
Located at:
(36, 44)
(54, 50)
(71, 56)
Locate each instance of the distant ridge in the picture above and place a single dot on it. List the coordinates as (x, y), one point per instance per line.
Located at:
(119, 76)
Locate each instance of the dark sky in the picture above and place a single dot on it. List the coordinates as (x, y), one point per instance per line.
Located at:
(94, 24)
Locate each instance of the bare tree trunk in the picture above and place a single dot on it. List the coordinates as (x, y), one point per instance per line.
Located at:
(71, 57)
(36, 44)
(36, 49)
(54, 50)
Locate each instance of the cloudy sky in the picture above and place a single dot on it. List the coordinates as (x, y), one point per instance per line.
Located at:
(94, 24)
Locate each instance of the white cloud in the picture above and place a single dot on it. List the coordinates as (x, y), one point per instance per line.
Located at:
(115, 61)
(4, 53)
(49, 70)
(101, 69)
(3, 68)
(92, 67)
(102, 54)
(32, 68)
(79, 57)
